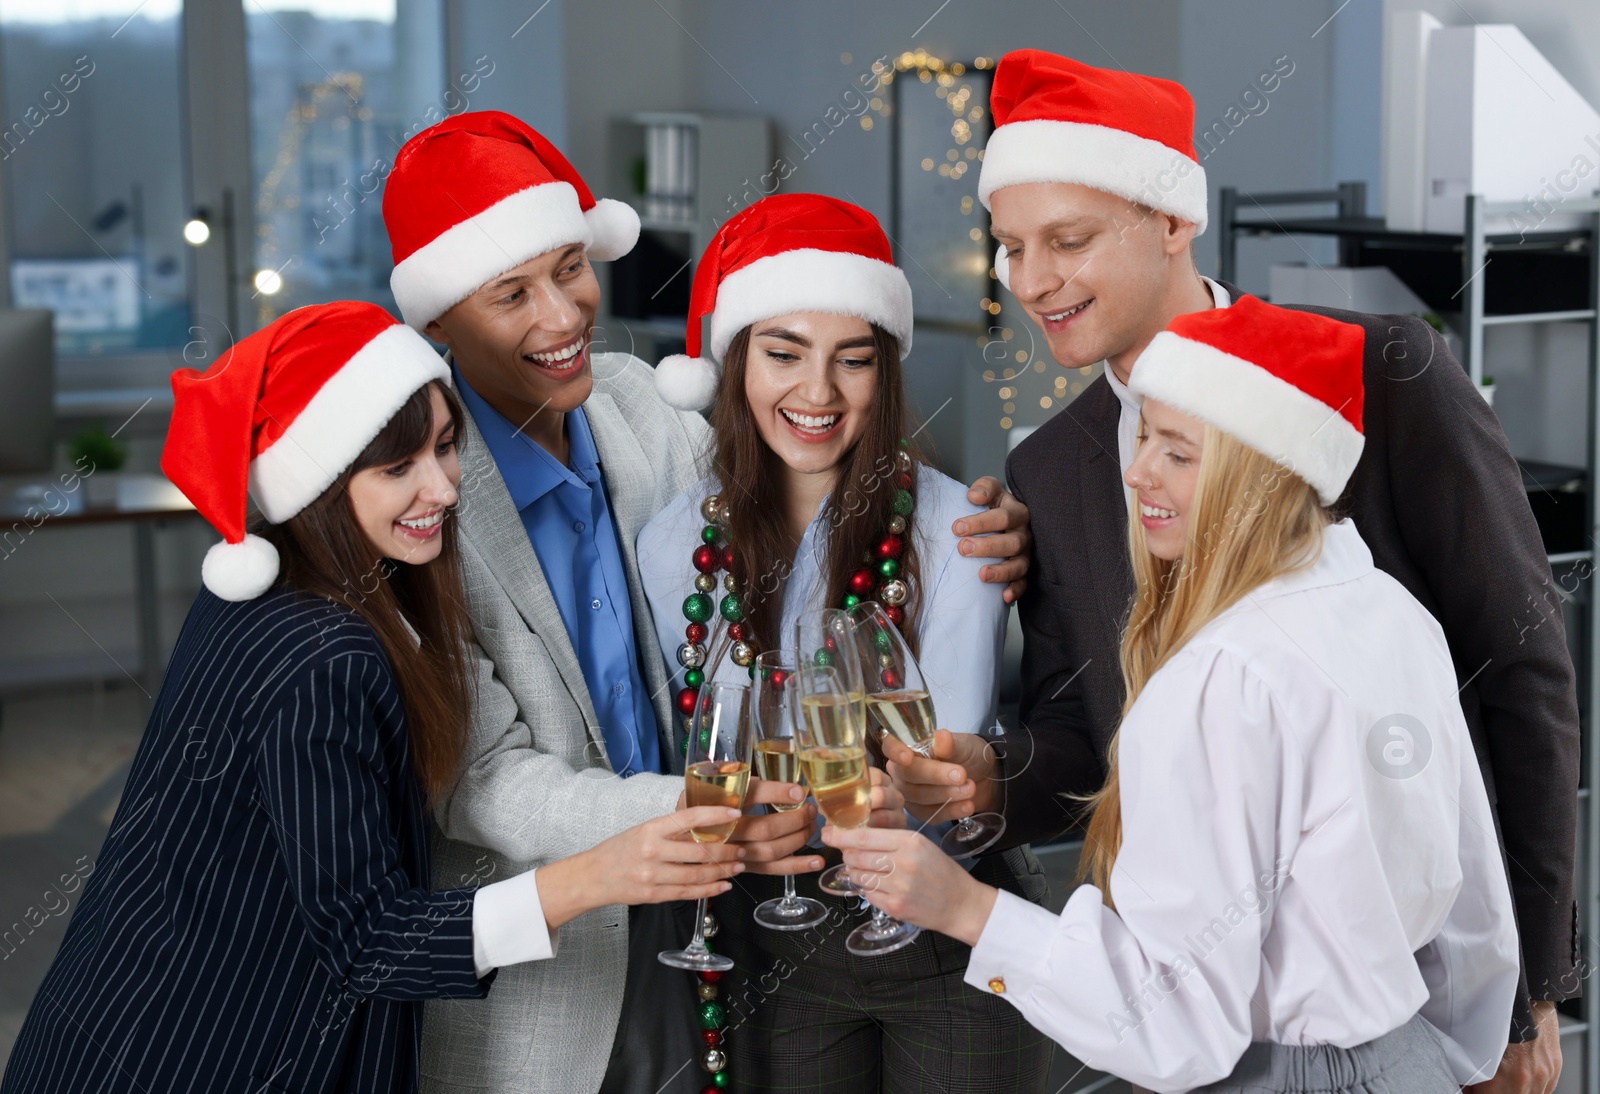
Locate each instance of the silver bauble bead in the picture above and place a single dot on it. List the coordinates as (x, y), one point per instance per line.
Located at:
(707, 992)
(691, 655)
(714, 1060)
(902, 460)
(729, 584)
(894, 592)
(705, 582)
(897, 525)
(885, 660)
(743, 654)
(711, 508)
(709, 926)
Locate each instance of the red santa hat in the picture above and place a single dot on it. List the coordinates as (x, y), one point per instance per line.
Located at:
(1286, 383)
(784, 254)
(1059, 120)
(481, 193)
(279, 417)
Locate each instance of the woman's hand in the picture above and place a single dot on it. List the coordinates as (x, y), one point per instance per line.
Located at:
(910, 878)
(769, 843)
(888, 805)
(1001, 532)
(650, 863)
(956, 781)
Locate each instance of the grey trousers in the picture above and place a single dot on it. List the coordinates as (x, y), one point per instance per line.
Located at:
(1407, 1060)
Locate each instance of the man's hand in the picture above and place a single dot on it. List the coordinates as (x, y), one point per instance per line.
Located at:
(768, 844)
(1529, 1067)
(956, 781)
(1002, 532)
(910, 878)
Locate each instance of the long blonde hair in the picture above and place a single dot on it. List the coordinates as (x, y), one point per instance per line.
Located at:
(1252, 520)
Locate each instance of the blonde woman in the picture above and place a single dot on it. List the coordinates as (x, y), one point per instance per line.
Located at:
(1296, 884)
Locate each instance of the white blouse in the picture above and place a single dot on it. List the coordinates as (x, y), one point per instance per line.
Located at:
(961, 624)
(1308, 854)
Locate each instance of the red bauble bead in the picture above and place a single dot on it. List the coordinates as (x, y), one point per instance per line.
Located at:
(896, 614)
(706, 558)
(890, 547)
(727, 558)
(710, 1088)
(891, 679)
(778, 678)
(710, 976)
(905, 481)
(686, 700)
(831, 644)
(711, 1036)
(862, 583)
(738, 631)
(696, 633)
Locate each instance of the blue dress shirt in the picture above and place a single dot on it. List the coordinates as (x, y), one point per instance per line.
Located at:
(568, 520)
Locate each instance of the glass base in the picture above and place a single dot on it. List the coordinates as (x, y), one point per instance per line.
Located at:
(795, 913)
(974, 835)
(695, 960)
(880, 936)
(836, 880)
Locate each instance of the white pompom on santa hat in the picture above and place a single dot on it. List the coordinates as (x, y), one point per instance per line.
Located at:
(1286, 383)
(479, 194)
(1060, 120)
(785, 254)
(279, 417)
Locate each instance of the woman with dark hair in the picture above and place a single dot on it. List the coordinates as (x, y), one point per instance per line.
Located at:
(818, 497)
(260, 916)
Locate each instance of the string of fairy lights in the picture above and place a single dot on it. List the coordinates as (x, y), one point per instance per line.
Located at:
(1017, 375)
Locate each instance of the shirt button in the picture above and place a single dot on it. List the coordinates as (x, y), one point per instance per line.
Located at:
(618, 689)
(998, 985)
(595, 603)
(577, 526)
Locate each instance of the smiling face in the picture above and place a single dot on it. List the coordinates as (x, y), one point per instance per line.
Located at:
(1096, 272)
(401, 506)
(810, 379)
(522, 340)
(1163, 476)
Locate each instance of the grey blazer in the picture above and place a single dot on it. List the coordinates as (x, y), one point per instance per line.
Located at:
(537, 785)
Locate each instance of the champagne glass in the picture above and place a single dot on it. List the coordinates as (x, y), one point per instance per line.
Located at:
(826, 637)
(777, 759)
(716, 772)
(898, 702)
(833, 752)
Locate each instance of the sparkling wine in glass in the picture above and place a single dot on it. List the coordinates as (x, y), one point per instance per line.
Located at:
(833, 752)
(897, 698)
(778, 760)
(716, 772)
(826, 637)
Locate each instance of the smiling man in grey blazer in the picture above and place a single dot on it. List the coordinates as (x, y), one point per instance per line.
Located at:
(567, 453)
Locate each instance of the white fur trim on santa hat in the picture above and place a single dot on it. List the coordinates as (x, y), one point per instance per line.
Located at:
(240, 571)
(1265, 412)
(810, 279)
(687, 383)
(439, 275)
(340, 420)
(1002, 266)
(1113, 160)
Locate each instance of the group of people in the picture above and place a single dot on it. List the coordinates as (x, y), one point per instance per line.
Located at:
(408, 811)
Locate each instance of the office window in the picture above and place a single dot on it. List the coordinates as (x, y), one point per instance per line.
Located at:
(92, 144)
(336, 86)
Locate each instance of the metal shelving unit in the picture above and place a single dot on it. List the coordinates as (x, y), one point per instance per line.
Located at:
(1544, 277)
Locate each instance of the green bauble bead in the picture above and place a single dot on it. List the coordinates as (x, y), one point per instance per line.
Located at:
(720, 1080)
(851, 600)
(694, 678)
(697, 608)
(709, 533)
(705, 738)
(683, 746)
(732, 610)
(904, 503)
(823, 659)
(712, 1016)
(882, 642)
(889, 568)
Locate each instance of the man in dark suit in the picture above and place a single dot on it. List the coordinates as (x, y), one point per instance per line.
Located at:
(1095, 236)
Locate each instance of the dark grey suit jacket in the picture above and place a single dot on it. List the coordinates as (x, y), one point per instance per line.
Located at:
(1439, 499)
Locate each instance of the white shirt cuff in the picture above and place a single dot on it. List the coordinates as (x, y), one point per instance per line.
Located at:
(1007, 959)
(508, 925)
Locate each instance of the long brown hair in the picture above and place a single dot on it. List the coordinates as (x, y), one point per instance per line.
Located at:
(1252, 520)
(323, 552)
(857, 512)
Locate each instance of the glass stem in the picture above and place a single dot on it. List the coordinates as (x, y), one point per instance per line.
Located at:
(698, 942)
(788, 891)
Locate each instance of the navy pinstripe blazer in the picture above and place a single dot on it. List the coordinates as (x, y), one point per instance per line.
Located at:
(259, 918)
